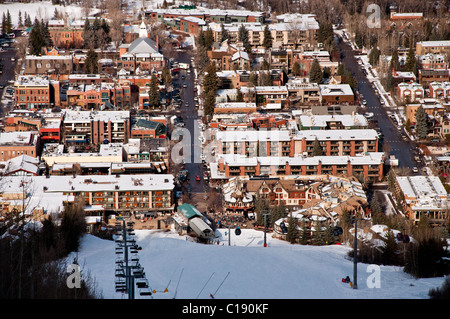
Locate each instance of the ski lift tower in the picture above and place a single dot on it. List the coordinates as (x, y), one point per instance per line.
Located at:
(129, 272)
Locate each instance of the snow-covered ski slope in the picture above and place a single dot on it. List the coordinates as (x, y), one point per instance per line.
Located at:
(280, 271)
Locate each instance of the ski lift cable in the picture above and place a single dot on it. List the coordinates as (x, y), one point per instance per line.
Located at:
(205, 285)
(170, 278)
(176, 289)
(220, 285)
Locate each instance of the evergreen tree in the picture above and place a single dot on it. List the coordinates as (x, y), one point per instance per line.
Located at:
(28, 22)
(389, 82)
(341, 70)
(209, 101)
(296, 68)
(243, 37)
(91, 62)
(211, 80)
(350, 80)
(106, 28)
(87, 33)
(9, 26)
(318, 235)
(304, 234)
(224, 35)
(267, 42)
(292, 231)
(325, 34)
(73, 225)
(3, 24)
(200, 39)
(20, 19)
(209, 38)
(394, 64)
(421, 123)
(239, 96)
(326, 72)
(374, 56)
(153, 94)
(411, 63)
(202, 59)
(36, 39)
(317, 148)
(47, 40)
(315, 74)
(279, 211)
(389, 249)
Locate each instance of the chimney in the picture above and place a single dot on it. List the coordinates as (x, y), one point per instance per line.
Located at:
(157, 42)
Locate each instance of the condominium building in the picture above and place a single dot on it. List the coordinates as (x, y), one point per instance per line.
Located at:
(368, 167)
(423, 196)
(96, 127)
(123, 194)
(338, 142)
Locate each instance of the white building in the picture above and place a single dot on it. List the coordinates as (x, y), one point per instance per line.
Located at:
(423, 196)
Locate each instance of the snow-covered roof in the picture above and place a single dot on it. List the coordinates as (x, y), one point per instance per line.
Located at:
(347, 120)
(337, 135)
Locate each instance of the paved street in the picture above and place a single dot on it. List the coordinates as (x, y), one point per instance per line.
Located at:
(190, 117)
(402, 149)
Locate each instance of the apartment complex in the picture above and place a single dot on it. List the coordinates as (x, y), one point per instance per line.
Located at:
(368, 167)
(334, 142)
(110, 193)
(435, 47)
(96, 127)
(423, 196)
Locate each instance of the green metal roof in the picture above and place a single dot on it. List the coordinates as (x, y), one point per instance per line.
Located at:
(189, 211)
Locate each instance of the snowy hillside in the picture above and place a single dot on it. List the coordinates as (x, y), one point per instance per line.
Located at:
(279, 271)
(41, 10)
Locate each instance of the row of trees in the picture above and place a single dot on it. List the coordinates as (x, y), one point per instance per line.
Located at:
(39, 37)
(6, 23)
(96, 35)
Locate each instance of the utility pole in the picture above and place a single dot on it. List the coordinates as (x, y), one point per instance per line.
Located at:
(355, 255)
(229, 235)
(265, 228)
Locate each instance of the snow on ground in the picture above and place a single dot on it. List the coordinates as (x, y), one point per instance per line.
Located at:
(279, 271)
(40, 9)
